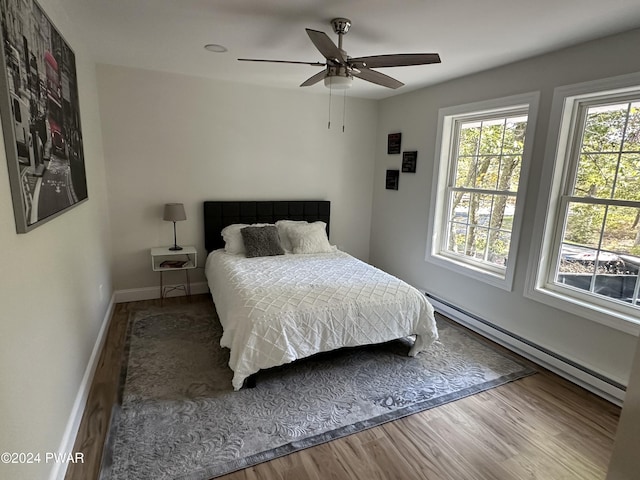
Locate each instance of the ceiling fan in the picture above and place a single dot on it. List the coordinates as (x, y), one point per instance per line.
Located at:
(341, 68)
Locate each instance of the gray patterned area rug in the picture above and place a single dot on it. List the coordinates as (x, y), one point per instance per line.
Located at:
(180, 418)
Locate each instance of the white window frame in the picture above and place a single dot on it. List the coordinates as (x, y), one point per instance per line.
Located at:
(567, 102)
(445, 138)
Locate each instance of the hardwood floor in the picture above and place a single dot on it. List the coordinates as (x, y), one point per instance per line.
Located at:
(540, 427)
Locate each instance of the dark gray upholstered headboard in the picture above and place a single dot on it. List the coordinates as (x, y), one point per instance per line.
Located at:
(218, 215)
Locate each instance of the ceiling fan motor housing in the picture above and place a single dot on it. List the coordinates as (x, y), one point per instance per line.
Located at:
(341, 25)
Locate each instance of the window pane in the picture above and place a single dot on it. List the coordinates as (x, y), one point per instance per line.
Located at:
(477, 242)
(499, 242)
(514, 131)
(616, 286)
(472, 216)
(510, 173)
(632, 135)
(621, 234)
(464, 176)
(509, 214)
(491, 137)
(502, 211)
(584, 224)
(458, 220)
(628, 181)
(596, 173)
(469, 136)
(457, 238)
(577, 267)
(481, 208)
(604, 127)
(574, 259)
(459, 210)
(482, 167)
(488, 175)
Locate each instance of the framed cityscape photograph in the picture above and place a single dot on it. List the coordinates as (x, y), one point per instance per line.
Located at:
(40, 115)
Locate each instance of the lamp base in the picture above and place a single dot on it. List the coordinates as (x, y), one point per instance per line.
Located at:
(175, 247)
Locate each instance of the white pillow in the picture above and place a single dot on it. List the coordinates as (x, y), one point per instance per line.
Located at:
(283, 226)
(309, 238)
(233, 241)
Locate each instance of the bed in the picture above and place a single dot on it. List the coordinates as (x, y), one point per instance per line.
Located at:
(276, 309)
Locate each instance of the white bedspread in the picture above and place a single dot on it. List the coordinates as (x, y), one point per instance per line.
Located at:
(275, 310)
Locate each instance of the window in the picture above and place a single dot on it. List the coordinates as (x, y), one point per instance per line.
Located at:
(483, 151)
(591, 248)
(17, 113)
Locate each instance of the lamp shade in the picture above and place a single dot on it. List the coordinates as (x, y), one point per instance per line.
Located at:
(174, 212)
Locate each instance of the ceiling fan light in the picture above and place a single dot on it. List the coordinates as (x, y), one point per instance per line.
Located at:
(338, 82)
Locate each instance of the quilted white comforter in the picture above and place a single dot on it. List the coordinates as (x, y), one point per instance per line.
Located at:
(275, 310)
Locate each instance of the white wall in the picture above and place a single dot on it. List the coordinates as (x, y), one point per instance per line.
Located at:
(400, 218)
(173, 138)
(51, 307)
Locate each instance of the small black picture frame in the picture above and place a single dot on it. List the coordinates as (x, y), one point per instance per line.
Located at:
(409, 160)
(394, 143)
(393, 178)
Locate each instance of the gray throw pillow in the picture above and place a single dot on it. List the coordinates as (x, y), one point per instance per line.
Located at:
(261, 241)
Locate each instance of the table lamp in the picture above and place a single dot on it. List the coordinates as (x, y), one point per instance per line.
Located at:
(174, 212)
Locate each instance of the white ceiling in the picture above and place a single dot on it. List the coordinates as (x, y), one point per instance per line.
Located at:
(469, 35)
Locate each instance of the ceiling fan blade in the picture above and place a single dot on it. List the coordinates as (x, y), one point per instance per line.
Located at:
(315, 79)
(395, 60)
(378, 78)
(326, 46)
(313, 64)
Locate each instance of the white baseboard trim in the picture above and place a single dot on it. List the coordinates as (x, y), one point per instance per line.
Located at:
(149, 293)
(608, 389)
(59, 469)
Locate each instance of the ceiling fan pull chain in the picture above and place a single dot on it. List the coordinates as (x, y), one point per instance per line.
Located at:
(329, 124)
(344, 108)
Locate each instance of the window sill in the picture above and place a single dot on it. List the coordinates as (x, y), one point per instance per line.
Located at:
(615, 319)
(471, 271)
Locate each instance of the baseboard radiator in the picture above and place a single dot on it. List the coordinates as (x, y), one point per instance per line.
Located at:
(602, 386)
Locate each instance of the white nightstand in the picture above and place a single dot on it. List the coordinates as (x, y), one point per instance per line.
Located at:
(164, 260)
